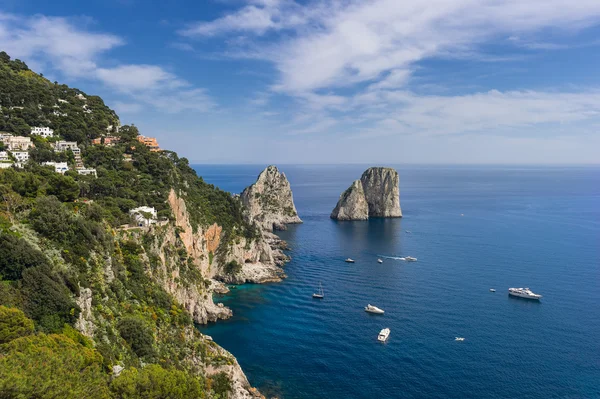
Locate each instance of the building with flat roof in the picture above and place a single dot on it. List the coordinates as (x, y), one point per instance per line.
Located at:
(149, 142)
(59, 167)
(87, 172)
(20, 156)
(42, 131)
(17, 143)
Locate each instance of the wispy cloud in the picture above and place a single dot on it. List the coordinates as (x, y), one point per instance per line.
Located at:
(65, 46)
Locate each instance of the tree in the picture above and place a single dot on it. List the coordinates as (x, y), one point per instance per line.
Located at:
(65, 188)
(13, 324)
(154, 382)
(16, 255)
(138, 335)
(51, 366)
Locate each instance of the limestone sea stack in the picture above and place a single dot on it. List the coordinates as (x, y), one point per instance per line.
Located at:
(376, 194)
(269, 202)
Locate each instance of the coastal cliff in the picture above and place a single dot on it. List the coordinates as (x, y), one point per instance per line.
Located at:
(269, 202)
(95, 291)
(376, 194)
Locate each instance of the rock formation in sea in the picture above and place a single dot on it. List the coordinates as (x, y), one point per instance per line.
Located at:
(376, 194)
(269, 202)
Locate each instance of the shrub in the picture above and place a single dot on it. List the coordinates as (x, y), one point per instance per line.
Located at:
(13, 324)
(138, 335)
(155, 382)
(51, 366)
(17, 255)
(232, 268)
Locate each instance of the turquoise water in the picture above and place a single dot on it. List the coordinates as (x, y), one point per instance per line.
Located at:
(532, 227)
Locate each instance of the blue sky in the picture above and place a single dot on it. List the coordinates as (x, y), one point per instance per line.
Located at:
(332, 81)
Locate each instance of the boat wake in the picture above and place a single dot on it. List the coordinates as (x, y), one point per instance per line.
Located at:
(391, 257)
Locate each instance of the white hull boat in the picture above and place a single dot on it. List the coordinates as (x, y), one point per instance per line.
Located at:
(410, 259)
(379, 261)
(383, 335)
(373, 309)
(524, 293)
(320, 294)
(349, 260)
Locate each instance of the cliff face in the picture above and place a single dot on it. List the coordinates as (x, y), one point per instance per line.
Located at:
(352, 204)
(269, 201)
(376, 194)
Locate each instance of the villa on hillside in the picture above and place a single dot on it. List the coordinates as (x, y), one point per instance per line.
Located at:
(144, 216)
(108, 141)
(87, 172)
(17, 143)
(61, 146)
(149, 142)
(59, 167)
(20, 156)
(4, 156)
(42, 131)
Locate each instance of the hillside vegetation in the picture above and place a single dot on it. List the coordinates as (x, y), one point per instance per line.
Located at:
(65, 260)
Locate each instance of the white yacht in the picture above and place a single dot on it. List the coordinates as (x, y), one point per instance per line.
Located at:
(320, 294)
(523, 293)
(410, 259)
(373, 309)
(383, 335)
(459, 339)
(349, 260)
(492, 290)
(379, 260)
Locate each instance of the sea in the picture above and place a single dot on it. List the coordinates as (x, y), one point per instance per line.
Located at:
(472, 228)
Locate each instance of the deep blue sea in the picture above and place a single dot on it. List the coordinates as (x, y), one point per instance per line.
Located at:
(473, 228)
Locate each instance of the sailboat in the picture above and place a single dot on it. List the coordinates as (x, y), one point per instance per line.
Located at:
(320, 294)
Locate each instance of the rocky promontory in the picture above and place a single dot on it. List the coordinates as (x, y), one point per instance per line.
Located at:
(269, 202)
(376, 194)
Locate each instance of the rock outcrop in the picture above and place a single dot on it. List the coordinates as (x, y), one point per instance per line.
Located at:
(376, 194)
(352, 204)
(269, 202)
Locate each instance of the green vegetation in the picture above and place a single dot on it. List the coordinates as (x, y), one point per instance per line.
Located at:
(68, 269)
(232, 268)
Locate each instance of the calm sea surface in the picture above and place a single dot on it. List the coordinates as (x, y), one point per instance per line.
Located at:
(472, 229)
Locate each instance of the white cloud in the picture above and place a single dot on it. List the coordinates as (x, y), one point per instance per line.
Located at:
(65, 46)
(127, 108)
(341, 43)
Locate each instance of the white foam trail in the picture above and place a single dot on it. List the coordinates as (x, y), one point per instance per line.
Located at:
(391, 257)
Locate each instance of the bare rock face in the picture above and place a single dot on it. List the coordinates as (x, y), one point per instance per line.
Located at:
(376, 194)
(269, 201)
(352, 204)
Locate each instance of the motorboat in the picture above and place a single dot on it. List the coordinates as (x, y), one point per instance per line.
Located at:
(383, 335)
(373, 309)
(379, 260)
(410, 259)
(349, 260)
(459, 339)
(524, 293)
(319, 294)
(492, 290)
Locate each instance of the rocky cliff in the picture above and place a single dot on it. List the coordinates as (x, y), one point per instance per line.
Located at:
(269, 201)
(376, 194)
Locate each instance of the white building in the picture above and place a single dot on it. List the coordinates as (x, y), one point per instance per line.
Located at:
(61, 146)
(144, 216)
(18, 143)
(86, 172)
(59, 167)
(42, 131)
(4, 156)
(6, 165)
(20, 156)
(4, 136)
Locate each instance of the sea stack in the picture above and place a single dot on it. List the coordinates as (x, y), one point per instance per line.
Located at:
(376, 194)
(269, 202)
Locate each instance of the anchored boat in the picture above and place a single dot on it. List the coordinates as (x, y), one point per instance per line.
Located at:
(524, 293)
(373, 309)
(320, 294)
(383, 335)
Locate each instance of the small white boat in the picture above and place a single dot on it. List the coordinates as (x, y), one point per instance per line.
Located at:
(349, 260)
(379, 260)
(373, 309)
(320, 294)
(492, 290)
(383, 335)
(410, 259)
(459, 339)
(408, 232)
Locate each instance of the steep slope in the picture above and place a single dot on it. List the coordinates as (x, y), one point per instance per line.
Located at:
(123, 296)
